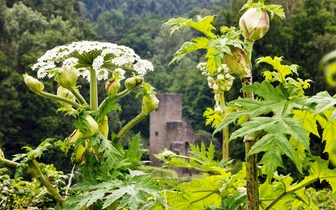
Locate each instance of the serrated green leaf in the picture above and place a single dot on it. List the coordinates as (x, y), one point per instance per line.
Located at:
(319, 170)
(196, 44)
(299, 153)
(271, 160)
(283, 70)
(212, 118)
(308, 120)
(322, 101)
(132, 192)
(205, 155)
(196, 194)
(235, 201)
(279, 126)
(201, 24)
(135, 150)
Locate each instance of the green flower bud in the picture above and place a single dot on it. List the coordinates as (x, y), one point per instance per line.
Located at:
(112, 86)
(254, 24)
(149, 103)
(133, 82)
(33, 84)
(65, 93)
(167, 154)
(67, 77)
(238, 62)
(92, 127)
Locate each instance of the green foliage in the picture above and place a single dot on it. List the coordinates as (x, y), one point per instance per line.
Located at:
(133, 191)
(209, 192)
(23, 193)
(216, 46)
(200, 159)
(272, 9)
(292, 194)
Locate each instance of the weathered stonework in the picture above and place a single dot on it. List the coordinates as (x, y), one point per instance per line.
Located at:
(168, 129)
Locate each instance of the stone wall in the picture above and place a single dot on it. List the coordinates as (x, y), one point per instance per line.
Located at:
(167, 128)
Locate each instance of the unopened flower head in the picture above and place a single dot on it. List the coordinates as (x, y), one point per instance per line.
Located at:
(254, 24)
(102, 57)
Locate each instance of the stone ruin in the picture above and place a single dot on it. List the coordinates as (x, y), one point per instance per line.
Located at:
(168, 129)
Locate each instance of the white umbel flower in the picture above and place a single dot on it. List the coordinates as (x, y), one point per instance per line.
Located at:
(102, 57)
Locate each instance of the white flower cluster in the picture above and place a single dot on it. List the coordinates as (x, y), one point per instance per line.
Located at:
(100, 56)
(222, 80)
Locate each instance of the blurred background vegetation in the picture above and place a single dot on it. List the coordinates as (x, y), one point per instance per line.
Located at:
(30, 27)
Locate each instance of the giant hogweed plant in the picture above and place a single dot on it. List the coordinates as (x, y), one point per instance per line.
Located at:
(275, 119)
(108, 174)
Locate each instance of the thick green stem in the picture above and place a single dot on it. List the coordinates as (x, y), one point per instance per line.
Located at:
(79, 97)
(249, 48)
(93, 90)
(129, 125)
(225, 134)
(59, 98)
(35, 171)
(252, 184)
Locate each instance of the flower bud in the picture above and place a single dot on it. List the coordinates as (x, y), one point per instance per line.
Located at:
(227, 84)
(254, 24)
(33, 84)
(133, 82)
(168, 154)
(67, 77)
(211, 82)
(149, 103)
(220, 77)
(65, 93)
(92, 127)
(238, 62)
(112, 86)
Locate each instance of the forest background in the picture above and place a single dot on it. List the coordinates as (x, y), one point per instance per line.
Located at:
(30, 27)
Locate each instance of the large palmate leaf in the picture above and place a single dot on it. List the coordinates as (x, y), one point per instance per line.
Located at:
(278, 125)
(136, 191)
(324, 106)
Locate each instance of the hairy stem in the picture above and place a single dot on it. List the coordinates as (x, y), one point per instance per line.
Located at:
(252, 184)
(129, 125)
(35, 171)
(93, 90)
(59, 98)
